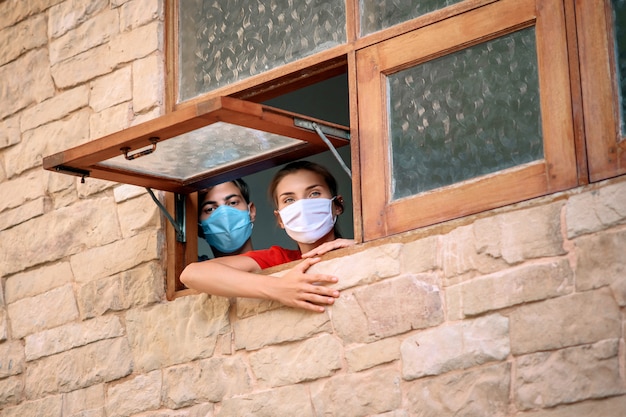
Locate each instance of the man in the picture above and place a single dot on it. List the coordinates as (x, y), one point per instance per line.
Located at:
(226, 216)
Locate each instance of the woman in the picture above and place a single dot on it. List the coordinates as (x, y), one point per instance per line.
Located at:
(307, 206)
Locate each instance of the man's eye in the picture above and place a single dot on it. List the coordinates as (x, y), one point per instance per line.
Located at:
(209, 209)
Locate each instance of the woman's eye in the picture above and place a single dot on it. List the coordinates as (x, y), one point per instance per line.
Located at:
(315, 194)
(288, 200)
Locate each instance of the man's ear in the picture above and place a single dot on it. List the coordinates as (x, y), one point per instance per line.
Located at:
(252, 209)
(278, 219)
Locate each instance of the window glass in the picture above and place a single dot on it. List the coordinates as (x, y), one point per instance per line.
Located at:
(380, 14)
(223, 42)
(464, 115)
(619, 19)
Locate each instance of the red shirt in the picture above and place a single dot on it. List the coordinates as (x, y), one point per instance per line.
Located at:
(273, 256)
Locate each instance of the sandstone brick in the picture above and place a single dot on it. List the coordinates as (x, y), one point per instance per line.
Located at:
(49, 406)
(137, 287)
(55, 235)
(463, 259)
(68, 15)
(111, 89)
(370, 265)
(123, 192)
(136, 13)
(110, 120)
(148, 90)
(11, 14)
(136, 44)
(11, 359)
(45, 311)
(547, 379)
(608, 407)
(92, 187)
(28, 154)
(137, 215)
(141, 393)
(455, 346)
(144, 285)
(287, 401)
(420, 255)
(372, 354)
(522, 284)
(544, 238)
(551, 325)
(205, 380)
(397, 305)
(95, 363)
(119, 256)
(287, 325)
(19, 190)
(11, 393)
(596, 210)
(289, 364)
(147, 116)
(24, 36)
(359, 394)
(34, 84)
(9, 131)
(349, 320)
(55, 108)
(93, 32)
(100, 296)
(187, 330)
(85, 402)
(37, 281)
(69, 336)
(478, 392)
(83, 67)
(4, 325)
(600, 260)
(23, 213)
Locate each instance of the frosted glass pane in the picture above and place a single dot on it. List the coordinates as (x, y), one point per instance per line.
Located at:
(226, 41)
(212, 147)
(464, 115)
(619, 19)
(380, 14)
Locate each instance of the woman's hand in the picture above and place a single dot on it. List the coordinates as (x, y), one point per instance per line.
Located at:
(301, 290)
(328, 246)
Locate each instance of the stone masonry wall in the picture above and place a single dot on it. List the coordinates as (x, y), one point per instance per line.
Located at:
(517, 312)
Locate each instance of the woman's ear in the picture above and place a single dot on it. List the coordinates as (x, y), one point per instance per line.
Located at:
(252, 209)
(338, 202)
(278, 219)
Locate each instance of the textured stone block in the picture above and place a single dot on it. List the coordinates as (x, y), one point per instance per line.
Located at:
(208, 380)
(311, 359)
(547, 379)
(552, 324)
(455, 346)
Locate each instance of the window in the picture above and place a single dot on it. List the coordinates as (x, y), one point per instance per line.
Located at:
(456, 107)
(469, 119)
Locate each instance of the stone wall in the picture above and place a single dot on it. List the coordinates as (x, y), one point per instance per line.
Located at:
(515, 312)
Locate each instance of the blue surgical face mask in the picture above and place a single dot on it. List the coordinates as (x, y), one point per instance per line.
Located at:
(227, 229)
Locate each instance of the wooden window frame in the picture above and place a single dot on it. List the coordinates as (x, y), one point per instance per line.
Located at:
(557, 171)
(606, 147)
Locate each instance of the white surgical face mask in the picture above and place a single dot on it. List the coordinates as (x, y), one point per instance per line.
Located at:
(309, 219)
